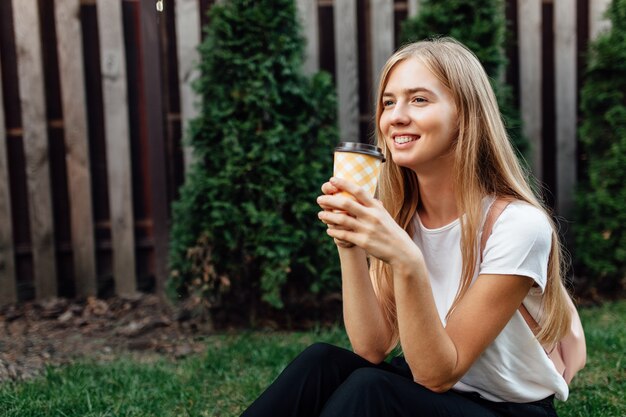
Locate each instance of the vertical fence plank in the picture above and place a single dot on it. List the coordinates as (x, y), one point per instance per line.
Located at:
(70, 52)
(187, 41)
(347, 74)
(8, 287)
(308, 15)
(565, 92)
(117, 134)
(414, 7)
(597, 22)
(529, 39)
(32, 99)
(153, 125)
(382, 32)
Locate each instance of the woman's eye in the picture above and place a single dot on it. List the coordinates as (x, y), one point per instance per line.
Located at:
(387, 103)
(419, 100)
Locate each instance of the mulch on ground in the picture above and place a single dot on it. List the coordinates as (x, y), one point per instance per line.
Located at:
(59, 331)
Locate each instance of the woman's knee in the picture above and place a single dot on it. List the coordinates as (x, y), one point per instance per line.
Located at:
(366, 392)
(366, 379)
(322, 353)
(329, 361)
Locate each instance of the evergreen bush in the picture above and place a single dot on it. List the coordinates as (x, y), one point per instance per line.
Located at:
(600, 229)
(481, 26)
(245, 227)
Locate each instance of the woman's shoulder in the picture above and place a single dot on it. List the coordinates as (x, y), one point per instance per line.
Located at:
(522, 219)
(519, 211)
(519, 243)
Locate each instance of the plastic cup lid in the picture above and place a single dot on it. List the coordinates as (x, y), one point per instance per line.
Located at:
(363, 148)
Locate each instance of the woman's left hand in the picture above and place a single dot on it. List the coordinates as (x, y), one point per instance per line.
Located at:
(365, 223)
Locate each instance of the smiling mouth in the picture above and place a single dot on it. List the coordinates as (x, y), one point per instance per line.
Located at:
(405, 139)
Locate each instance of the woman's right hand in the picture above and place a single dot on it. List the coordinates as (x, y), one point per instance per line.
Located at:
(329, 189)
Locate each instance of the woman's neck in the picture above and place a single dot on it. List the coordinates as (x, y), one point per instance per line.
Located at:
(437, 200)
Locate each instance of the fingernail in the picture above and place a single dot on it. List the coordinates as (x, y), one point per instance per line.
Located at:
(333, 180)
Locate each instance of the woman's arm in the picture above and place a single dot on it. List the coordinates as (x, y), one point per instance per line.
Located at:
(438, 356)
(369, 334)
(367, 330)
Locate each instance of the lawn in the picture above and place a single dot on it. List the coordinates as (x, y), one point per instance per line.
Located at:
(237, 367)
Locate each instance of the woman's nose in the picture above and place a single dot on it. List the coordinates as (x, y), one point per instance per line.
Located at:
(400, 115)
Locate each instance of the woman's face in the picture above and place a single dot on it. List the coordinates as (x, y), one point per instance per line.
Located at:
(419, 118)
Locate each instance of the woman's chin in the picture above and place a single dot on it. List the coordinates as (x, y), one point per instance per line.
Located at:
(403, 162)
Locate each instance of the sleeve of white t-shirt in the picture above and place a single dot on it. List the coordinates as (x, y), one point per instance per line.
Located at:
(519, 244)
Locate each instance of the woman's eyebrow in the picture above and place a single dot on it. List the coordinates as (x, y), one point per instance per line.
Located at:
(409, 91)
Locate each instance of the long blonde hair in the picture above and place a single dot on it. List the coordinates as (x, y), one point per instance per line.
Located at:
(485, 164)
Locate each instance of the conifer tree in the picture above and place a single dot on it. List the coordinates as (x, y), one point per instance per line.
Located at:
(600, 229)
(245, 227)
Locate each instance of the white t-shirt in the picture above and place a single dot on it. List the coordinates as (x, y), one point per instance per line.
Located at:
(514, 367)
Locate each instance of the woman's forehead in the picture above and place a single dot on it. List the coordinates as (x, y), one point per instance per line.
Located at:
(412, 75)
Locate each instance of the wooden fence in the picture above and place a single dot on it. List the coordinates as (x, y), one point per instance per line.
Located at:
(90, 146)
(96, 95)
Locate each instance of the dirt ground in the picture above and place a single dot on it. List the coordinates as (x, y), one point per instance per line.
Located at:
(59, 331)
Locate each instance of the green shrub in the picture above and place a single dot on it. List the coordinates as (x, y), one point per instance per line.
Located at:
(600, 230)
(481, 26)
(245, 228)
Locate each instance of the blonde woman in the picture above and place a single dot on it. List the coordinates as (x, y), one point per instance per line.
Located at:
(429, 288)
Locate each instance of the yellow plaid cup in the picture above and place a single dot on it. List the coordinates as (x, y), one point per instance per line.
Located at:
(359, 163)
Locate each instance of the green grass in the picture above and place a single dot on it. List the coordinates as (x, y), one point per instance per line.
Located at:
(599, 390)
(236, 368)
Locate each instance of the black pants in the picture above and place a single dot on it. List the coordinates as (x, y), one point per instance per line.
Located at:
(325, 380)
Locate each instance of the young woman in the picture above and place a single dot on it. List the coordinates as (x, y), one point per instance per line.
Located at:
(413, 270)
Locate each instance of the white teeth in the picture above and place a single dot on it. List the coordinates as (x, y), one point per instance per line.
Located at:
(404, 139)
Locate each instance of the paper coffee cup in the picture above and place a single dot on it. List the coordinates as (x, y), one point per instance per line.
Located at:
(359, 163)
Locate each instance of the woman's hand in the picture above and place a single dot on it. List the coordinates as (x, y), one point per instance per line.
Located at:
(364, 223)
(329, 189)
